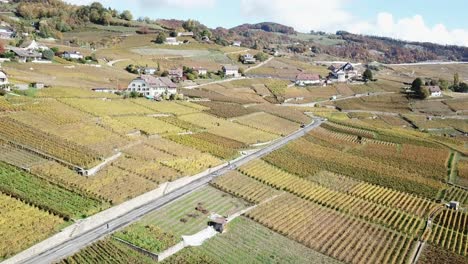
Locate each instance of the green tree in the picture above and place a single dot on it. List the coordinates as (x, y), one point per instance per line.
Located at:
(261, 56)
(48, 54)
(133, 94)
(424, 93)
(456, 80)
(443, 84)
(367, 75)
(462, 88)
(106, 18)
(127, 15)
(161, 38)
(417, 87)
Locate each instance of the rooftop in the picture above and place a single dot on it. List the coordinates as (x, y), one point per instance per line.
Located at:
(308, 76)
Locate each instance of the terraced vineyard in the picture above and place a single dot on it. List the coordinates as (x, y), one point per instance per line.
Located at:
(109, 107)
(24, 135)
(44, 195)
(226, 110)
(229, 129)
(244, 187)
(403, 220)
(268, 123)
(349, 130)
(216, 145)
(250, 242)
(305, 158)
(111, 184)
(23, 225)
(329, 232)
(149, 125)
(18, 157)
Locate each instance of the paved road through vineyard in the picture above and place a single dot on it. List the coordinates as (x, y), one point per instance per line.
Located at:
(73, 245)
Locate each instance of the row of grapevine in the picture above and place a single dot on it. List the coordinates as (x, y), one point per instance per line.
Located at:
(18, 133)
(350, 204)
(456, 194)
(108, 252)
(304, 158)
(18, 157)
(348, 130)
(244, 187)
(23, 225)
(392, 198)
(456, 220)
(447, 238)
(43, 194)
(345, 238)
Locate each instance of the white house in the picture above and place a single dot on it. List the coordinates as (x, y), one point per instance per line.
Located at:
(27, 55)
(435, 91)
(200, 71)
(343, 73)
(304, 79)
(236, 43)
(172, 41)
(248, 59)
(3, 79)
(72, 55)
(150, 71)
(6, 33)
(185, 34)
(231, 71)
(152, 87)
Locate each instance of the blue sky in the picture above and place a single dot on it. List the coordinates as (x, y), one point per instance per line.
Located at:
(429, 20)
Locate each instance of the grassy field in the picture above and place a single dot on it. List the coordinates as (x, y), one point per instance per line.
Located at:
(189, 215)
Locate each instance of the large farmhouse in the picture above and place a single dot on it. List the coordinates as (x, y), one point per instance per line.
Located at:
(434, 91)
(343, 73)
(231, 71)
(152, 87)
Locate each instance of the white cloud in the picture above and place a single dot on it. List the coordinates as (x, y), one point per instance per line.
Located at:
(332, 15)
(413, 29)
(303, 15)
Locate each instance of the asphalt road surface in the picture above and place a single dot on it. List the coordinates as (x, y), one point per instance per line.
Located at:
(76, 243)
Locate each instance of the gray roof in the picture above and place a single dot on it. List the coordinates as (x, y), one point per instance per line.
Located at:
(231, 67)
(434, 89)
(27, 53)
(158, 81)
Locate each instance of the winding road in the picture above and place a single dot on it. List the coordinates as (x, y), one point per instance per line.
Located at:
(74, 244)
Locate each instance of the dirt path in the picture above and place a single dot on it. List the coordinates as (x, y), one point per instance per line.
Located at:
(259, 65)
(111, 63)
(234, 52)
